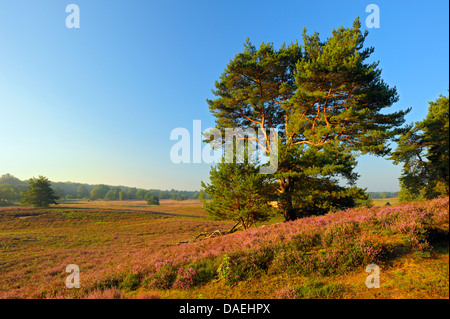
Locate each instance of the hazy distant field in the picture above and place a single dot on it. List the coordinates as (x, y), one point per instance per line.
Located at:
(382, 201)
(132, 250)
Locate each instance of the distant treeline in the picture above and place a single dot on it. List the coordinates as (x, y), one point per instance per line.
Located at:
(375, 195)
(11, 189)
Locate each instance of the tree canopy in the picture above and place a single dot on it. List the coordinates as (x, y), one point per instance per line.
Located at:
(9, 194)
(82, 191)
(153, 200)
(328, 104)
(238, 193)
(39, 193)
(99, 192)
(423, 149)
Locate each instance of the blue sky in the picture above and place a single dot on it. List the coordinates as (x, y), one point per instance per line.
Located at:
(97, 104)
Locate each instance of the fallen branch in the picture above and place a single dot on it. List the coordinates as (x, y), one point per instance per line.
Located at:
(211, 234)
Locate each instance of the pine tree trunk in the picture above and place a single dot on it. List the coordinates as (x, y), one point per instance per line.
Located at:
(285, 200)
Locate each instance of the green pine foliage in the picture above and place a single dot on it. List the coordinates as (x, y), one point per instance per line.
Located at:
(152, 200)
(328, 103)
(39, 193)
(201, 196)
(423, 148)
(238, 192)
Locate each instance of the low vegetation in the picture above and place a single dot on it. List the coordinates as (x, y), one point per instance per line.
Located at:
(127, 251)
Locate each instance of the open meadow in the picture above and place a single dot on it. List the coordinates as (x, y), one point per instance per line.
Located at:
(380, 202)
(36, 245)
(127, 249)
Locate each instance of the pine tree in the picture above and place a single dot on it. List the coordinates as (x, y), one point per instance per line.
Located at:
(326, 101)
(39, 193)
(152, 200)
(239, 193)
(423, 149)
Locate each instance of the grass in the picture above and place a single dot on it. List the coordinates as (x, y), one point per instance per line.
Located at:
(37, 244)
(131, 250)
(408, 278)
(380, 202)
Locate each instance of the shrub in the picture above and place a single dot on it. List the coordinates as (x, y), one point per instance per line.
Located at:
(224, 269)
(339, 234)
(185, 278)
(244, 265)
(319, 290)
(131, 282)
(149, 295)
(108, 283)
(288, 293)
(305, 241)
(163, 278)
(292, 261)
(112, 293)
(313, 290)
(206, 270)
(152, 200)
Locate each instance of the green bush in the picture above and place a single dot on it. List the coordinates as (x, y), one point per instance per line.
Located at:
(305, 242)
(131, 282)
(319, 290)
(224, 270)
(245, 265)
(339, 234)
(205, 271)
(108, 283)
(152, 200)
(163, 278)
(313, 290)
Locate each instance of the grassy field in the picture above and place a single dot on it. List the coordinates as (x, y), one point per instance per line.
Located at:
(132, 250)
(379, 202)
(37, 244)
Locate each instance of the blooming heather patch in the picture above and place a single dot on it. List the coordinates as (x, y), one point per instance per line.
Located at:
(112, 293)
(149, 295)
(185, 278)
(336, 243)
(312, 290)
(288, 293)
